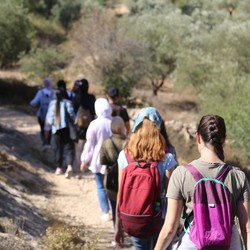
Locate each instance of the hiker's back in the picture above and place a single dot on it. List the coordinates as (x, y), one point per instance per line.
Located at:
(46, 97)
(83, 103)
(139, 200)
(210, 201)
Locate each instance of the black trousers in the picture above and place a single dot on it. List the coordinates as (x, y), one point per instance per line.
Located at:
(45, 139)
(64, 148)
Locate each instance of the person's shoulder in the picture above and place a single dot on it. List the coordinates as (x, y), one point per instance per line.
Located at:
(237, 171)
(180, 171)
(91, 96)
(105, 142)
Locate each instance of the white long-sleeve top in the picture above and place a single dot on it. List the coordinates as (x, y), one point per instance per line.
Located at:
(98, 130)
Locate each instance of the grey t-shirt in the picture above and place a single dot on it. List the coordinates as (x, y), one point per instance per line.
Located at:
(181, 184)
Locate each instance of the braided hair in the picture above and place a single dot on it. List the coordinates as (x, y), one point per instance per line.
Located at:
(212, 130)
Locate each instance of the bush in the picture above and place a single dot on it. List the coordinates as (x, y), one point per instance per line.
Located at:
(14, 30)
(42, 62)
(66, 12)
(60, 236)
(46, 32)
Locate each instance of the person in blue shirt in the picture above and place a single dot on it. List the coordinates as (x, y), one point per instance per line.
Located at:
(42, 99)
(56, 119)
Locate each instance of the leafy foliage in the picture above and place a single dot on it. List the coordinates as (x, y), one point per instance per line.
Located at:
(42, 62)
(66, 12)
(215, 61)
(158, 34)
(14, 26)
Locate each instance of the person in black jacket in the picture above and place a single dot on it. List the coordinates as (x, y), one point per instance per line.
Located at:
(86, 101)
(113, 97)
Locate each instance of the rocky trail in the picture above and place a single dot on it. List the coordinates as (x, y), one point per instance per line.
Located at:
(73, 201)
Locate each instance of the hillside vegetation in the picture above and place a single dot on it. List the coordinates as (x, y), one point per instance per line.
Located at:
(195, 44)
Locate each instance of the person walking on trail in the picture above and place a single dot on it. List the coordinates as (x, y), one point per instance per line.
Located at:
(110, 150)
(62, 84)
(211, 135)
(98, 130)
(63, 144)
(42, 99)
(145, 159)
(113, 97)
(84, 107)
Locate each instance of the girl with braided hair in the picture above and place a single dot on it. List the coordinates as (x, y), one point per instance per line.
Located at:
(211, 135)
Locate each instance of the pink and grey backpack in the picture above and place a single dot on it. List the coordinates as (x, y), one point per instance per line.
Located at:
(211, 227)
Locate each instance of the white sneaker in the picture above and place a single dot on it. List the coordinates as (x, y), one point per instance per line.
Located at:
(68, 172)
(58, 171)
(105, 217)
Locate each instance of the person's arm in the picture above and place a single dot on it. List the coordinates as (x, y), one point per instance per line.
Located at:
(243, 213)
(119, 236)
(168, 175)
(89, 146)
(36, 100)
(127, 126)
(171, 224)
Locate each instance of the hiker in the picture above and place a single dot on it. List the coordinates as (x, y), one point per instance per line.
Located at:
(98, 130)
(62, 84)
(211, 135)
(42, 99)
(84, 107)
(110, 150)
(144, 155)
(75, 89)
(113, 97)
(57, 114)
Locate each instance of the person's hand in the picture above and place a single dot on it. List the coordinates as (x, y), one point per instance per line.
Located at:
(119, 237)
(83, 167)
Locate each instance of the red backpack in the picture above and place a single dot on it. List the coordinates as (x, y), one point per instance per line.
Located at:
(139, 207)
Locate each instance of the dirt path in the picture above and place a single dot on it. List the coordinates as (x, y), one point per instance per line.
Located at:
(71, 200)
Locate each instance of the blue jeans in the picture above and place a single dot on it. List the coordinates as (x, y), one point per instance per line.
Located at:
(143, 244)
(147, 243)
(101, 193)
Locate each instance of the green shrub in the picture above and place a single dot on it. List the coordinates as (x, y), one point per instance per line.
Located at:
(14, 30)
(46, 32)
(66, 12)
(41, 62)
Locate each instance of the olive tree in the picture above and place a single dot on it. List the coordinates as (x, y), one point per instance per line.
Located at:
(162, 35)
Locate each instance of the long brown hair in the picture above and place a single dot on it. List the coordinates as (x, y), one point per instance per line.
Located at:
(147, 143)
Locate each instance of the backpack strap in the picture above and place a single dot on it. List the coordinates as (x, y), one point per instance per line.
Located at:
(223, 173)
(115, 147)
(197, 175)
(194, 172)
(128, 156)
(138, 164)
